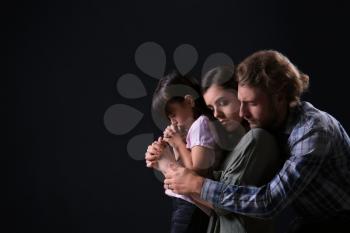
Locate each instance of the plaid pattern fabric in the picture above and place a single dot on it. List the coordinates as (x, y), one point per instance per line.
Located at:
(315, 177)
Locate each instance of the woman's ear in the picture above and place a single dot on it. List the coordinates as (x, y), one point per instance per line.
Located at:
(189, 100)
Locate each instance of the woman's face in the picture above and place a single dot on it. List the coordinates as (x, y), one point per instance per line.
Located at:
(225, 106)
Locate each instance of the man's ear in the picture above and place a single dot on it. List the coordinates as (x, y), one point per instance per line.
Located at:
(189, 100)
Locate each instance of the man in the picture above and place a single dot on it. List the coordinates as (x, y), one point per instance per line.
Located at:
(315, 179)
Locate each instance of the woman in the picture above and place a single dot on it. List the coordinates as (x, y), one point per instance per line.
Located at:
(253, 160)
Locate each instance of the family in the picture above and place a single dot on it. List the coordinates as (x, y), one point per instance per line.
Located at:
(241, 148)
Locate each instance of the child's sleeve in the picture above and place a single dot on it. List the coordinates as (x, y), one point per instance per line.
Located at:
(200, 134)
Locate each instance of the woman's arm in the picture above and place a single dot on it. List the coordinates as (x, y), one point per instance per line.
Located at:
(198, 201)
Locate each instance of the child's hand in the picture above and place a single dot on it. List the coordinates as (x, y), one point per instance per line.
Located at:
(173, 136)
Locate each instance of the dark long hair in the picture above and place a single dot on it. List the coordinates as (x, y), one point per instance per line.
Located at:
(173, 88)
(223, 76)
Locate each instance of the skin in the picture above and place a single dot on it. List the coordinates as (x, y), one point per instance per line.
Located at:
(199, 158)
(153, 153)
(195, 159)
(260, 109)
(225, 106)
(181, 116)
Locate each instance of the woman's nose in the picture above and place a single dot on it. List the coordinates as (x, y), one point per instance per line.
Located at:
(217, 113)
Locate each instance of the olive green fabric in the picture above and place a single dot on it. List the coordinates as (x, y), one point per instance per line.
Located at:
(254, 161)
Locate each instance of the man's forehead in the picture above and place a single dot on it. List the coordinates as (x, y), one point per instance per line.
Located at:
(247, 93)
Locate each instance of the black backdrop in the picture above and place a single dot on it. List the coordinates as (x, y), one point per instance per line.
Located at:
(66, 172)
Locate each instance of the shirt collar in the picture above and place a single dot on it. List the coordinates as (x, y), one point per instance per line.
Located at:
(291, 119)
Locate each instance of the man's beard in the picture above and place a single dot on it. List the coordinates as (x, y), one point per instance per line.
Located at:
(269, 123)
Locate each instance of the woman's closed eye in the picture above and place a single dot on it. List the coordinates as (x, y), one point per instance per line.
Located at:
(222, 102)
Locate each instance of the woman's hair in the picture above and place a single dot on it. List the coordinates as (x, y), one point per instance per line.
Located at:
(222, 76)
(274, 73)
(225, 77)
(173, 88)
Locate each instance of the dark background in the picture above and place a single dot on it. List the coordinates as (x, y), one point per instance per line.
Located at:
(66, 172)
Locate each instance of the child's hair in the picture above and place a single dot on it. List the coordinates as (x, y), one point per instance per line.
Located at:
(173, 88)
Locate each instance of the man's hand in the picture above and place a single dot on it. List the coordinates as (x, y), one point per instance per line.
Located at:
(154, 152)
(183, 181)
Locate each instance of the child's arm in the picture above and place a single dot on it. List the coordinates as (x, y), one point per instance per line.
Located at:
(198, 159)
(153, 153)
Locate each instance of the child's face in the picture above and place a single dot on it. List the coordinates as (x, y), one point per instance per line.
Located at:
(180, 113)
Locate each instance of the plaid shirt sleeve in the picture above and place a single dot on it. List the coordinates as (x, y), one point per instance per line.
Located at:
(308, 152)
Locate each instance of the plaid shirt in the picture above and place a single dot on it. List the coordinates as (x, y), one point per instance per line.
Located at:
(315, 177)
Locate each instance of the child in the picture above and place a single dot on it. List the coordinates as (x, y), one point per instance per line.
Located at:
(191, 137)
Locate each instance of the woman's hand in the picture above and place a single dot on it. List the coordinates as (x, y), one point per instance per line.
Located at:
(153, 153)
